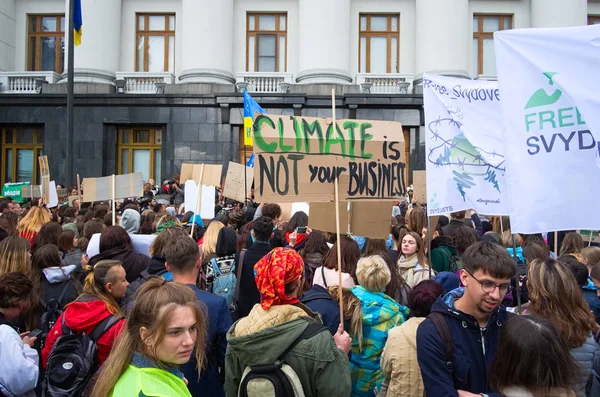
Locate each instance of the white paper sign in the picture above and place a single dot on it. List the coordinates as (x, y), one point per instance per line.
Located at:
(549, 84)
(464, 151)
(207, 199)
(53, 202)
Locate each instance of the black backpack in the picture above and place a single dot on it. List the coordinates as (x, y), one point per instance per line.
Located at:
(51, 312)
(73, 360)
(278, 378)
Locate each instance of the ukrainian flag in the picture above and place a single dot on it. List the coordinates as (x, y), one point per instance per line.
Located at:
(77, 22)
(250, 108)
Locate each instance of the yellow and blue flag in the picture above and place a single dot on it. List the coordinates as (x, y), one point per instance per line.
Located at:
(77, 22)
(250, 108)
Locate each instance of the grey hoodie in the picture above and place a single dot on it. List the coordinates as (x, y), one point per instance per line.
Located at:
(130, 221)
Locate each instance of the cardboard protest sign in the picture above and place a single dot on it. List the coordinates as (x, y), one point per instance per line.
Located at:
(370, 219)
(297, 159)
(45, 178)
(186, 172)
(62, 195)
(420, 186)
(31, 191)
(207, 199)
(367, 219)
(322, 217)
(98, 189)
(14, 191)
(210, 177)
(235, 187)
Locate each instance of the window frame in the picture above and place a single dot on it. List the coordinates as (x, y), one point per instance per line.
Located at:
(278, 33)
(388, 34)
(480, 35)
(59, 65)
(131, 146)
(36, 146)
(147, 33)
(593, 19)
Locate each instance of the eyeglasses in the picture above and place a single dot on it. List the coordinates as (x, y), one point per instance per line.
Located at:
(488, 287)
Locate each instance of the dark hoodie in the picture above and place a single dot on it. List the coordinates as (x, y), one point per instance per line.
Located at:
(156, 267)
(474, 350)
(133, 263)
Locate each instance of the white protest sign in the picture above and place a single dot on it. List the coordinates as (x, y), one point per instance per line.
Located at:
(53, 195)
(551, 126)
(207, 203)
(464, 151)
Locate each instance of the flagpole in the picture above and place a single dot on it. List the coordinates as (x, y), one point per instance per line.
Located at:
(70, 90)
(245, 179)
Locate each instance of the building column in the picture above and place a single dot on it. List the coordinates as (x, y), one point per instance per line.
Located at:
(97, 58)
(324, 43)
(207, 41)
(558, 13)
(443, 35)
(8, 18)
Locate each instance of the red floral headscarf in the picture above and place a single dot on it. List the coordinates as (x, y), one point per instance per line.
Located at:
(276, 269)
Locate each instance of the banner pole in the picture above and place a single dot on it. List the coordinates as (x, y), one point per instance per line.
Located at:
(337, 220)
(79, 190)
(591, 235)
(114, 205)
(428, 245)
(501, 226)
(556, 244)
(197, 208)
(518, 290)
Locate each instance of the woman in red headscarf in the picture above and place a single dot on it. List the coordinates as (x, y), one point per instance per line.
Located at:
(281, 328)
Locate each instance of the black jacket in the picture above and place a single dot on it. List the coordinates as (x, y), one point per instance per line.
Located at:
(249, 295)
(156, 267)
(133, 263)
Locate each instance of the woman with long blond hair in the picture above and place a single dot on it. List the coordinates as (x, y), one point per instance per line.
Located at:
(208, 247)
(32, 222)
(412, 263)
(555, 295)
(165, 326)
(104, 285)
(15, 256)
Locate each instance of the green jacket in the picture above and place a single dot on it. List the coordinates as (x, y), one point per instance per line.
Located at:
(151, 382)
(262, 336)
(441, 259)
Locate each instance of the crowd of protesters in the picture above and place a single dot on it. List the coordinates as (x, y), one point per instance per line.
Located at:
(248, 304)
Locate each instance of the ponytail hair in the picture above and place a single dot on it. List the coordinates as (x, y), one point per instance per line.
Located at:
(97, 278)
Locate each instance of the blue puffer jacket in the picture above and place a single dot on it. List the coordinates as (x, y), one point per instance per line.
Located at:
(584, 355)
(474, 350)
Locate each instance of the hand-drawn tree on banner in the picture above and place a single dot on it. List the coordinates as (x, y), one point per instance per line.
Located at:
(468, 164)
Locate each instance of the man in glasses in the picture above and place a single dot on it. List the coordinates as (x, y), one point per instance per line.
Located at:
(457, 342)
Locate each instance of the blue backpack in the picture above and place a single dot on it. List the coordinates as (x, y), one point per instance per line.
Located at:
(224, 277)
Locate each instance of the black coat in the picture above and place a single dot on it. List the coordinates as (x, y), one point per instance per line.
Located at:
(249, 295)
(133, 263)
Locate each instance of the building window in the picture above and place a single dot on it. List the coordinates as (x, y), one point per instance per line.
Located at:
(484, 26)
(138, 150)
(266, 43)
(46, 43)
(378, 44)
(155, 49)
(593, 19)
(21, 147)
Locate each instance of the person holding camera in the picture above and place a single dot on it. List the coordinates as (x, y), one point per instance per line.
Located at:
(176, 191)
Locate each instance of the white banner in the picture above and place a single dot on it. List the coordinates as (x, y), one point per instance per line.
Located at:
(207, 199)
(464, 151)
(550, 89)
